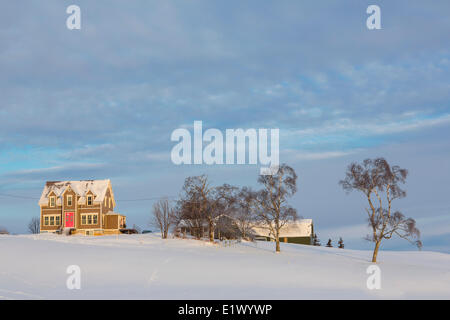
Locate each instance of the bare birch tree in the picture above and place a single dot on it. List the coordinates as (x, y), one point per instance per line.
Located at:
(221, 203)
(34, 225)
(163, 216)
(189, 212)
(194, 203)
(244, 215)
(272, 207)
(379, 182)
(204, 203)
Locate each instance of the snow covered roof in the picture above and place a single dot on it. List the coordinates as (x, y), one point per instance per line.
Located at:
(114, 213)
(184, 223)
(97, 187)
(298, 228)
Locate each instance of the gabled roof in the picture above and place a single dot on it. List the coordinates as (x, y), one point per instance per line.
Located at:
(81, 188)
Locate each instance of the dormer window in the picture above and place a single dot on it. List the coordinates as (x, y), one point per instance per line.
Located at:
(52, 201)
(69, 201)
(89, 200)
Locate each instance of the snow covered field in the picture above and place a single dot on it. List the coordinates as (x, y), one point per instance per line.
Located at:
(147, 267)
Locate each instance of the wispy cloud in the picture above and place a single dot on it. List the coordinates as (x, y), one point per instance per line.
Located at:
(373, 127)
(294, 155)
(66, 171)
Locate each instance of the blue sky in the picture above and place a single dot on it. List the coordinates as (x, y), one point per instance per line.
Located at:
(101, 102)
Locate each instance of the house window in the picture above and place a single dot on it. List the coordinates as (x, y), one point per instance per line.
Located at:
(52, 220)
(52, 201)
(69, 201)
(89, 200)
(89, 219)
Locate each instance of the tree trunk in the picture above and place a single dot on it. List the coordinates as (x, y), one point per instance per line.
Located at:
(277, 239)
(277, 234)
(375, 251)
(211, 231)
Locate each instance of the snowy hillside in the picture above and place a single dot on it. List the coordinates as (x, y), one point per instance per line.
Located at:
(146, 267)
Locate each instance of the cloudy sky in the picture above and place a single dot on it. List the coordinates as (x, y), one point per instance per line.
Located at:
(102, 102)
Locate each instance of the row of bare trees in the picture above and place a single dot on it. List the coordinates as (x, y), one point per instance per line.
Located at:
(202, 204)
(234, 210)
(230, 209)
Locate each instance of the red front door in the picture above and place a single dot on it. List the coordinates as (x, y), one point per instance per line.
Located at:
(69, 220)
